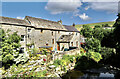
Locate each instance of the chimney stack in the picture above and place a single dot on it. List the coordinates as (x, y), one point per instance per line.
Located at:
(60, 21)
(73, 25)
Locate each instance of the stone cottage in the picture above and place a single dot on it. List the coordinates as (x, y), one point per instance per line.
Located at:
(45, 33)
(37, 32)
(70, 38)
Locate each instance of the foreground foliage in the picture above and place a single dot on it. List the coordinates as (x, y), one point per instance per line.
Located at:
(9, 47)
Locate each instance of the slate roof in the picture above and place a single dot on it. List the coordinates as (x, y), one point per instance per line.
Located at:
(65, 38)
(71, 28)
(16, 21)
(45, 24)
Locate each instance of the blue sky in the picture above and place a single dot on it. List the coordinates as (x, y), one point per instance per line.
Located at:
(68, 12)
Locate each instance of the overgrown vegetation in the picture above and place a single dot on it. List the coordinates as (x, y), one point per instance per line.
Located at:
(66, 59)
(106, 42)
(10, 48)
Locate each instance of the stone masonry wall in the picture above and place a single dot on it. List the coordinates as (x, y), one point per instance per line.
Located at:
(19, 29)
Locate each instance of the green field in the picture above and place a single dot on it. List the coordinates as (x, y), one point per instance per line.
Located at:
(110, 23)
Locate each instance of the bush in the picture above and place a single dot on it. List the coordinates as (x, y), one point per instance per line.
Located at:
(107, 52)
(94, 55)
(68, 58)
(93, 44)
(84, 63)
(35, 51)
(57, 62)
(9, 48)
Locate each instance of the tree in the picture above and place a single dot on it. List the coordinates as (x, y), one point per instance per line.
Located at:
(105, 25)
(9, 47)
(86, 31)
(117, 32)
(107, 52)
(93, 44)
(97, 26)
(98, 33)
(108, 39)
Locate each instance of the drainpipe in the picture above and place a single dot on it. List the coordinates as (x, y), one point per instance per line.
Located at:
(54, 41)
(26, 40)
(54, 46)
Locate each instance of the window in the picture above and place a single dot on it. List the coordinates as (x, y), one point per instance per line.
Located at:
(29, 30)
(41, 31)
(72, 43)
(58, 31)
(52, 33)
(28, 35)
(22, 37)
(52, 41)
(46, 44)
(22, 50)
(76, 43)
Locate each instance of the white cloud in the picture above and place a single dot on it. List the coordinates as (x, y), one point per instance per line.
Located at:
(20, 17)
(63, 6)
(83, 16)
(58, 0)
(111, 7)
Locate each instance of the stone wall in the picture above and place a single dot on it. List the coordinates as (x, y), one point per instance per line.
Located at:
(45, 37)
(71, 52)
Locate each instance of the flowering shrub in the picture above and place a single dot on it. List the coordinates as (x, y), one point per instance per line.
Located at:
(44, 60)
(82, 50)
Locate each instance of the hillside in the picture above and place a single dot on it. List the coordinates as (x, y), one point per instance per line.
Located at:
(110, 23)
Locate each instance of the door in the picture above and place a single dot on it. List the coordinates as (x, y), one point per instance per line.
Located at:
(76, 43)
(58, 46)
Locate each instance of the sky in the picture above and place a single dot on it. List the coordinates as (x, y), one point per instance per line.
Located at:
(72, 11)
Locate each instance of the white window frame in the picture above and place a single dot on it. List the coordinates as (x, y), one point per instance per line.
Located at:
(23, 38)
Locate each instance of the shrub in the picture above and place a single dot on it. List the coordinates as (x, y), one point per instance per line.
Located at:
(57, 62)
(94, 55)
(9, 48)
(107, 52)
(93, 44)
(84, 63)
(35, 51)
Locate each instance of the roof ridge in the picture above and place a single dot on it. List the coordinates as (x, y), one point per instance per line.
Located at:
(11, 18)
(41, 19)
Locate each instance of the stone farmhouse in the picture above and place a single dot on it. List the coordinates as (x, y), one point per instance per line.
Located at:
(41, 33)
